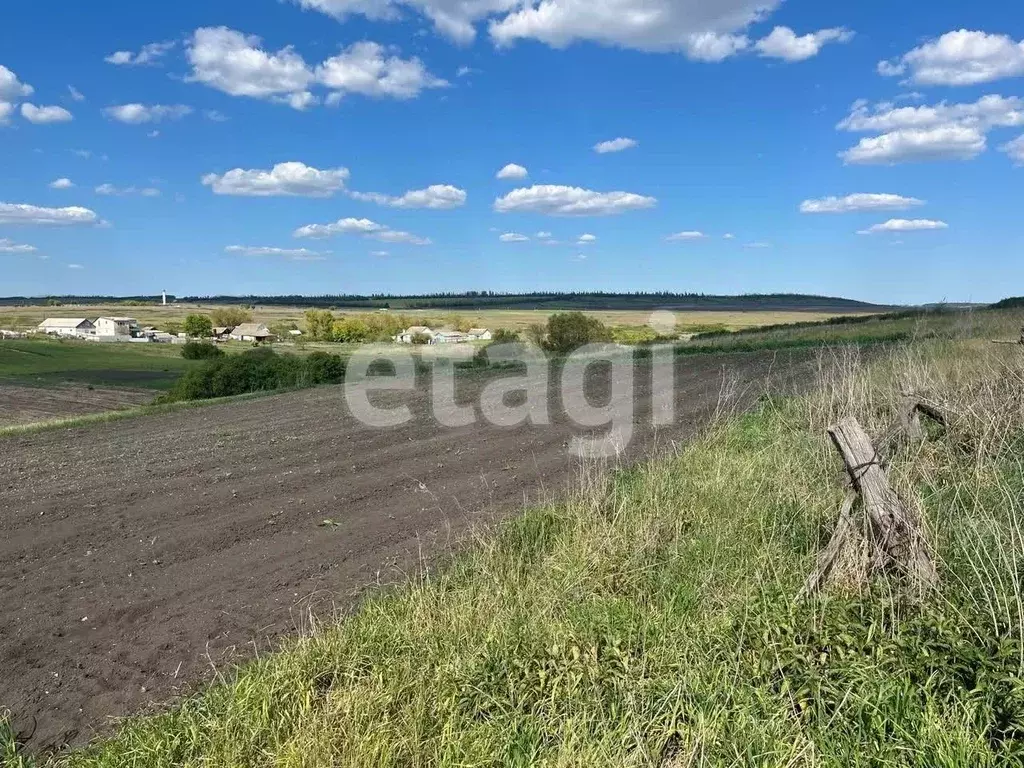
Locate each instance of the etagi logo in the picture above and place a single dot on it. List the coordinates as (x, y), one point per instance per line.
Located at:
(526, 388)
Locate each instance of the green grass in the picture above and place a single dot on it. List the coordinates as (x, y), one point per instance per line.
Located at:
(651, 618)
(46, 362)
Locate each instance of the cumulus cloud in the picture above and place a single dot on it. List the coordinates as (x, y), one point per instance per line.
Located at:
(905, 225)
(615, 145)
(988, 112)
(365, 68)
(586, 239)
(234, 63)
(34, 215)
(283, 180)
(1015, 149)
(11, 88)
(513, 237)
(61, 184)
(680, 237)
(45, 115)
(555, 200)
(701, 30)
(436, 197)
(113, 191)
(291, 254)
(963, 57)
(138, 114)
(512, 171)
(862, 201)
(9, 246)
(6, 110)
(363, 227)
(946, 142)
(149, 55)
(783, 43)
(75, 266)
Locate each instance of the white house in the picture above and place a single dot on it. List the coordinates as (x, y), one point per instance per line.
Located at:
(251, 332)
(406, 336)
(117, 326)
(480, 334)
(450, 337)
(67, 326)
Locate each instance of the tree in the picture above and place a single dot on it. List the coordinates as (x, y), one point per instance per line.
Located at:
(230, 317)
(420, 338)
(198, 326)
(320, 325)
(571, 330)
(505, 336)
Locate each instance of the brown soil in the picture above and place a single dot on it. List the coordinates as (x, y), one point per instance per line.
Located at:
(136, 555)
(28, 405)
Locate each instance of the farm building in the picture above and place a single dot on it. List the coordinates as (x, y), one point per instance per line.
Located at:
(480, 334)
(222, 331)
(117, 326)
(67, 326)
(406, 336)
(251, 332)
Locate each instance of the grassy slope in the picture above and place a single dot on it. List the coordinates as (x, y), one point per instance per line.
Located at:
(50, 361)
(651, 619)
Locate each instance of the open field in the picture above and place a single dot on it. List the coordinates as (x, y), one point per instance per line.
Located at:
(25, 318)
(134, 549)
(32, 405)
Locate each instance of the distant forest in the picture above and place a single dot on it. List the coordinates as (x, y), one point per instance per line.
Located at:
(480, 300)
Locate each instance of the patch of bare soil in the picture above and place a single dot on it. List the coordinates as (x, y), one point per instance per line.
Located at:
(137, 553)
(28, 405)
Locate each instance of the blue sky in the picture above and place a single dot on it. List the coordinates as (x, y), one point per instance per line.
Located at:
(868, 149)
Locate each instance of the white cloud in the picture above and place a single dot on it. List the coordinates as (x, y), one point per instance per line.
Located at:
(76, 95)
(587, 239)
(947, 142)
(20, 213)
(215, 116)
(12, 89)
(380, 254)
(544, 235)
(61, 184)
(555, 200)
(1015, 149)
(292, 254)
(435, 197)
(513, 237)
(235, 64)
(686, 236)
(138, 114)
(984, 114)
(905, 225)
(364, 68)
(45, 115)
(9, 246)
(783, 43)
(512, 171)
(148, 56)
(75, 266)
(962, 57)
(615, 145)
(728, 236)
(860, 202)
(6, 110)
(283, 180)
(112, 191)
(700, 29)
(364, 227)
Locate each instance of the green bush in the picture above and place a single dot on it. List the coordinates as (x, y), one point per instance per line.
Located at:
(259, 370)
(198, 326)
(201, 350)
(568, 331)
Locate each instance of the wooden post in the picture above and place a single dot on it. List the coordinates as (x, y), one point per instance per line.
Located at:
(894, 531)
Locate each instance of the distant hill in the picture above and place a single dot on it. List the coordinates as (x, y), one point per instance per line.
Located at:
(1014, 302)
(490, 300)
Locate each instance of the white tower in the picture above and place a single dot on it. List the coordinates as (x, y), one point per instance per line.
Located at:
(165, 298)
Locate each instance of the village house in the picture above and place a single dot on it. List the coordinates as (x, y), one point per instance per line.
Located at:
(480, 334)
(117, 326)
(444, 335)
(257, 332)
(77, 327)
(407, 336)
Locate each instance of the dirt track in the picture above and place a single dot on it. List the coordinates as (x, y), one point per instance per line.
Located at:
(134, 553)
